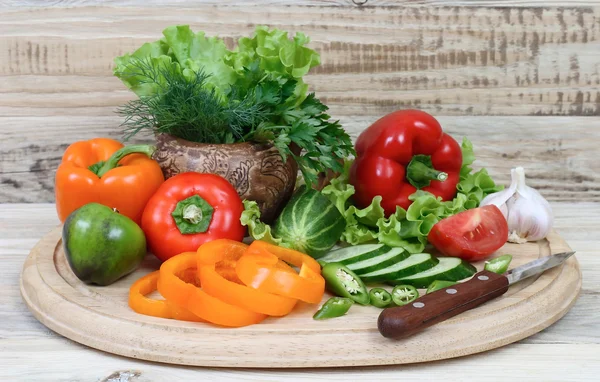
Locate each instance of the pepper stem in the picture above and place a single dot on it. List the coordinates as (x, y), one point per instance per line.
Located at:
(102, 168)
(192, 215)
(420, 172)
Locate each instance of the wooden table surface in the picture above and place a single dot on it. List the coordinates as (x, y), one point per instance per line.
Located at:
(569, 350)
(520, 79)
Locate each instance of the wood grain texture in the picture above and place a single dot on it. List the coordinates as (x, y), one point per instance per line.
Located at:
(320, 3)
(569, 350)
(562, 165)
(81, 312)
(495, 60)
(462, 64)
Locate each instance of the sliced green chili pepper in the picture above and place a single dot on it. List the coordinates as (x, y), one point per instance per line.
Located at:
(403, 294)
(439, 284)
(334, 307)
(380, 298)
(342, 282)
(499, 264)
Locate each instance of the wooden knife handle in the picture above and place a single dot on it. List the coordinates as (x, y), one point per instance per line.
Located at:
(403, 321)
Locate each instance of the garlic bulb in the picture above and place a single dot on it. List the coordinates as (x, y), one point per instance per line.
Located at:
(528, 214)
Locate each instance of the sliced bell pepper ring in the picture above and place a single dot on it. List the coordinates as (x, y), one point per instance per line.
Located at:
(197, 300)
(215, 252)
(157, 308)
(260, 268)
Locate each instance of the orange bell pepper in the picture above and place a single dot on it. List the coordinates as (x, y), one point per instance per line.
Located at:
(197, 300)
(157, 308)
(104, 171)
(259, 269)
(212, 255)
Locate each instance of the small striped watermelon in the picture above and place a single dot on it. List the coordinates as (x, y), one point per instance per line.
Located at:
(310, 223)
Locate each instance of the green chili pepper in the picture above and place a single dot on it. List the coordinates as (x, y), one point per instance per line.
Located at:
(439, 284)
(499, 264)
(342, 282)
(403, 294)
(380, 298)
(334, 307)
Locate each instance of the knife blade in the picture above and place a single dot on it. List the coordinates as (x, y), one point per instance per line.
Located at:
(403, 321)
(536, 266)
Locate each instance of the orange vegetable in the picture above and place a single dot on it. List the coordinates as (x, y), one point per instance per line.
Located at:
(197, 300)
(260, 269)
(157, 308)
(225, 253)
(88, 173)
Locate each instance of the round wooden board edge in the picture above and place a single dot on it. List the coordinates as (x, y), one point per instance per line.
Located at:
(63, 330)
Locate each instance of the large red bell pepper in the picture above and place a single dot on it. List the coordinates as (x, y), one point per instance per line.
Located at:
(190, 209)
(401, 152)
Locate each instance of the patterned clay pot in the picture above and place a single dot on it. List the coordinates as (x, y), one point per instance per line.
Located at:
(256, 170)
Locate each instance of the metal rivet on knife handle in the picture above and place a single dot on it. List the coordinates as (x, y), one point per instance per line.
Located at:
(402, 321)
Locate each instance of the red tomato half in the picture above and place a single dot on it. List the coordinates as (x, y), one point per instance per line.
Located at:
(471, 235)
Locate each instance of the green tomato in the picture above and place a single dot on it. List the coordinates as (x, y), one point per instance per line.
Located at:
(102, 245)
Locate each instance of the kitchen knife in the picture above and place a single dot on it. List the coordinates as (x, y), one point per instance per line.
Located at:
(403, 321)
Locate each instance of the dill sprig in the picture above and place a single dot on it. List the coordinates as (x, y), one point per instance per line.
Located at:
(183, 106)
(257, 107)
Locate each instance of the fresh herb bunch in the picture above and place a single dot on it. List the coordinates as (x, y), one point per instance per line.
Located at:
(258, 106)
(184, 107)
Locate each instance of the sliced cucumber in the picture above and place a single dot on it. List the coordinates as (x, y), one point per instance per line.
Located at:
(394, 256)
(416, 263)
(355, 253)
(448, 269)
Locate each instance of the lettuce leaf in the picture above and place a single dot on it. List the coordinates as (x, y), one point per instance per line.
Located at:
(408, 228)
(187, 51)
(256, 228)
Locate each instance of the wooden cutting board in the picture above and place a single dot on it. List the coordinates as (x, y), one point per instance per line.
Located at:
(99, 317)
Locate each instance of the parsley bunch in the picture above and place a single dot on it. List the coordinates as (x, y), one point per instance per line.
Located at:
(258, 106)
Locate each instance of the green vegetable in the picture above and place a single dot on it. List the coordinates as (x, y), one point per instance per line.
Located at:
(186, 108)
(439, 284)
(380, 298)
(193, 87)
(408, 228)
(342, 282)
(309, 223)
(404, 294)
(499, 264)
(101, 245)
(383, 261)
(334, 307)
(355, 253)
(416, 263)
(448, 269)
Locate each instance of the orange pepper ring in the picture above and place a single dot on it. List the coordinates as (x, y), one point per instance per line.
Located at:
(210, 254)
(156, 308)
(258, 269)
(291, 256)
(197, 300)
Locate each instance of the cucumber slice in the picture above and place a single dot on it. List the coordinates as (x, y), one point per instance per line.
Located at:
(414, 264)
(394, 256)
(448, 269)
(355, 253)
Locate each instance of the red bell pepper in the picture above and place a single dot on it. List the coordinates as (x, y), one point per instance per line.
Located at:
(401, 152)
(190, 209)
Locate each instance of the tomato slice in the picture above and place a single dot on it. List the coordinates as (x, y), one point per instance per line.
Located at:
(470, 235)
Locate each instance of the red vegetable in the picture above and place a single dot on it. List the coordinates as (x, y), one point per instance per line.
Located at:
(400, 153)
(471, 235)
(190, 209)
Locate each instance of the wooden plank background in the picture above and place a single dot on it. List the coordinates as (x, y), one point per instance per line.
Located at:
(520, 79)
